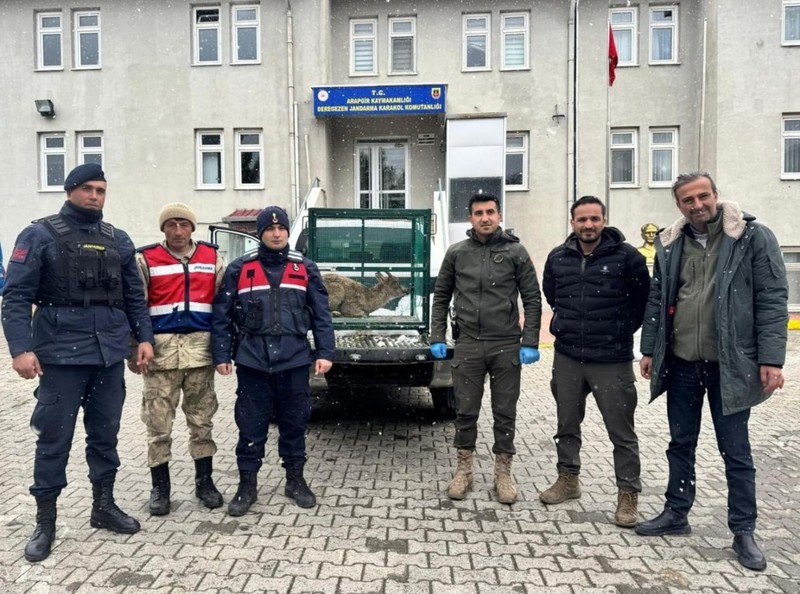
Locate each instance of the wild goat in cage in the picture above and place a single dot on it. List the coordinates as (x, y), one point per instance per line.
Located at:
(349, 298)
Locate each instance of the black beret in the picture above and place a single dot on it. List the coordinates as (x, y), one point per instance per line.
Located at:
(83, 173)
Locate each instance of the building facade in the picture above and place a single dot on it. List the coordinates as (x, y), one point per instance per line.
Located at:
(230, 106)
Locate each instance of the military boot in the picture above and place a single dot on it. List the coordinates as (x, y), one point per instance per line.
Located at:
(462, 480)
(41, 541)
(159, 494)
(503, 481)
(627, 514)
(106, 514)
(296, 486)
(204, 487)
(246, 494)
(567, 486)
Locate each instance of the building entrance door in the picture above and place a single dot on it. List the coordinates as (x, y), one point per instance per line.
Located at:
(382, 175)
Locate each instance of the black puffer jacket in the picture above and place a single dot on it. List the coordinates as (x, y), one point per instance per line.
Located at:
(598, 301)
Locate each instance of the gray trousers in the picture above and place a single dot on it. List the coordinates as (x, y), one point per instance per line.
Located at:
(614, 389)
(472, 360)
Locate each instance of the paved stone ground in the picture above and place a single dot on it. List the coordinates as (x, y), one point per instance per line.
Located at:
(379, 463)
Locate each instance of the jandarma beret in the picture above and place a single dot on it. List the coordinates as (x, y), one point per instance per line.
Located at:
(83, 173)
(177, 210)
(271, 215)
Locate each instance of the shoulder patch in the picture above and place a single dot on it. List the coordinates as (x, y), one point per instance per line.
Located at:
(107, 229)
(20, 254)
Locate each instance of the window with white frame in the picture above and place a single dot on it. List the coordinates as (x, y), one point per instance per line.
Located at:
(246, 35)
(623, 157)
(207, 44)
(663, 35)
(48, 41)
(791, 22)
(517, 161)
(363, 45)
(209, 159)
(87, 38)
(90, 148)
(515, 38)
(663, 156)
(249, 158)
(790, 162)
(53, 160)
(624, 26)
(476, 47)
(402, 45)
(791, 259)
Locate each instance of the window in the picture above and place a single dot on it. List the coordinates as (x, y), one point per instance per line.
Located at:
(790, 163)
(246, 34)
(476, 42)
(53, 161)
(791, 259)
(402, 39)
(48, 41)
(663, 35)
(87, 39)
(362, 47)
(206, 36)
(624, 25)
(249, 153)
(623, 158)
(209, 160)
(515, 41)
(791, 22)
(517, 161)
(90, 148)
(663, 156)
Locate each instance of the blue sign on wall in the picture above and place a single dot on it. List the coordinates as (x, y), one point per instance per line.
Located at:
(378, 100)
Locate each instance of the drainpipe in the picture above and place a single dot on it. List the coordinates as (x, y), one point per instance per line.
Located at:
(292, 111)
(572, 98)
(701, 165)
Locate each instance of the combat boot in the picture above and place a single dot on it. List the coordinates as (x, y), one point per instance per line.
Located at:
(627, 514)
(567, 486)
(204, 488)
(246, 494)
(41, 541)
(503, 481)
(462, 480)
(159, 494)
(296, 486)
(105, 512)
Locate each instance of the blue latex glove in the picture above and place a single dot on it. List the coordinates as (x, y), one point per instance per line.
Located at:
(527, 355)
(439, 350)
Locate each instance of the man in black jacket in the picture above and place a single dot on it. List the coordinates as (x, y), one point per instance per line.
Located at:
(597, 286)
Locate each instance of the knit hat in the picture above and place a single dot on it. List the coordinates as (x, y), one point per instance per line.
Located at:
(83, 173)
(176, 210)
(271, 215)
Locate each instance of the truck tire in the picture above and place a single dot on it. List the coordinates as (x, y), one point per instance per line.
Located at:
(444, 402)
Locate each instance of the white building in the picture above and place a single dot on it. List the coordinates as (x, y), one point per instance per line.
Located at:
(218, 104)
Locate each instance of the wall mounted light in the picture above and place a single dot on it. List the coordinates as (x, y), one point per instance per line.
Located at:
(45, 108)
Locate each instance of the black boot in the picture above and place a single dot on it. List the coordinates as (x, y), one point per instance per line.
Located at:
(246, 494)
(747, 552)
(159, 494)
(38, 547)
(204, 487)
(106, 514)
(296, 486)
(667, 522)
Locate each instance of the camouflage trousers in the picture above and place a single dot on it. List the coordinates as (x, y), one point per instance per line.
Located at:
(162, 390)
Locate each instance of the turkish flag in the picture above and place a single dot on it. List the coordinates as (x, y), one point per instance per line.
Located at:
(613, 58)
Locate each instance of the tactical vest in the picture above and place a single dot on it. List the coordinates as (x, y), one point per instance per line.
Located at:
(179, 294)
(87, 270)
(263, 311)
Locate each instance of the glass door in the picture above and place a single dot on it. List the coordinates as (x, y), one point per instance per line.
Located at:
(382, 175)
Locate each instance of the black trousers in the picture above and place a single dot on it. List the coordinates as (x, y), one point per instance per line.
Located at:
(62, 391)
(259, 394)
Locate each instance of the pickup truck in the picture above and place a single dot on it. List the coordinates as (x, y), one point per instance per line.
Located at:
(382, 323)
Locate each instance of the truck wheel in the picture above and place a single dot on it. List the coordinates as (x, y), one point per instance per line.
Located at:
(444, 402)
